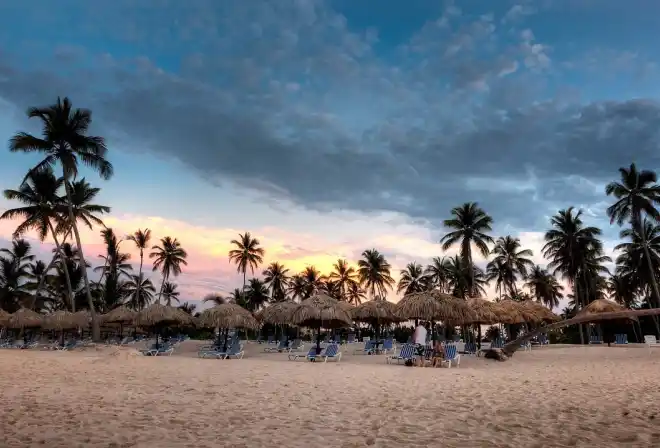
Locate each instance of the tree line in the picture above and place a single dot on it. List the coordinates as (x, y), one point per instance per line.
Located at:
(53, 205)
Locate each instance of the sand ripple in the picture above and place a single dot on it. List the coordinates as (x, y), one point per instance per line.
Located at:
(549, 398)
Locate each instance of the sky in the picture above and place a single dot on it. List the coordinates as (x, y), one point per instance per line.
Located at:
(327, 127)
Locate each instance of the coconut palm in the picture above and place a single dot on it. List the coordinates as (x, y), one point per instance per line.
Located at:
(14, 271)
(355, 294)
(374, 273)
(468, 226)
(571, 246)
(544, 287)
(41, 202)
(247, 254)
(344, 277)
(500, 274)
(64, 141)
(256, 294)
(170, 293)
(437, 274)
(507, 251)
(141, 239)
(276, 277)
(297, 287)
(168, 258)
(188, 308)
(413, 279)
(622, 289)
(215, 299)
(313, 282)
(463, 281)
(139, 292)
(637, 195)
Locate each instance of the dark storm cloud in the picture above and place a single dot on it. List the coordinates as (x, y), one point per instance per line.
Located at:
(289, 101)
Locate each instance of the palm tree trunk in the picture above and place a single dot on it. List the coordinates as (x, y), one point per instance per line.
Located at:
(162, 284)
(578, 303)
(96, 330)
(67, 277)
(40, 285)
(139, 283)
(654, 283)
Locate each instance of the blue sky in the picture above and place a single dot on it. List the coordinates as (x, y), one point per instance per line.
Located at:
(328, 127)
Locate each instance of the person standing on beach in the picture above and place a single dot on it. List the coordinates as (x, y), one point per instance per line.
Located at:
(419, 338)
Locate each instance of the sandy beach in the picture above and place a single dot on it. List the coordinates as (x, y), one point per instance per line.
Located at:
(551, 397)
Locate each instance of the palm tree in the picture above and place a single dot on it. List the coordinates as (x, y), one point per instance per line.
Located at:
(374, 273)
(14, 272)
(41, 201)
(468, 226)
(570, 246)
(622, 289)
(141, 239)
(344, 278)
(514, 260)
(170, 293)
(437, 274)
(544, 287)
(355, 294)
(500, 274)
(465, 281)
(637, 195)
(276, 276)
(312, 282)
(188, 308)
(139, 292)
(256, 294)
(168, 257)
(298, 287)
(412, 279)
(247, 254)
(65, 141)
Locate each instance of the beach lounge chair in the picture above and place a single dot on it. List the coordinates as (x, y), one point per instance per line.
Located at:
(368, 349)
(351, 338)
(497, 343)
(595, 339)
(271, 339)
(543, 339)
(451, 356)
(621, 339)
(331, 352)
(388, 346)
(295, 346)
(281, 347)
(470, 348)
(311, 354)
(68, 345)
(407, 352)
(235, 351)
(651, 341)
(161, 350)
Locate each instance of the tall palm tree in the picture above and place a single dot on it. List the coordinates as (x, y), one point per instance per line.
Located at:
(298, 287)
(276, 277)
(344, 277)
(544, 287)
(141, 239)
(256, 294)
(170, 293)
(188, 308)
(168, 258)
(247, 254)
(508, 253)
(465, 281)
(355, 294)
(637, 195)
(64, 141)
(412, 279)
(139, 292)
(374, 274)
(312, 280)
(437, 273)
(468, 226)
(40, 198)
(569, 246)
(14, 273)
(622, 289)
(498, 272)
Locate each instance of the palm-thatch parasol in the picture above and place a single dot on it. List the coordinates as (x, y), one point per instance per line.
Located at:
(158, 315)
(485, 313)
(320, 311)
(434, 306)
(119, 315)
(278, 313)
(25, 318)
(542, 312)
(516, 313)
(59, 320)
(226, 316)
(600, 306)
(376, 313)
(4, 318)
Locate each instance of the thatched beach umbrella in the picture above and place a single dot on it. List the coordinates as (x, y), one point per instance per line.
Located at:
(227, 316)
(540, 311)
(485, 313)
(278, 313)
(516, 313)
(4, 318)
(157, 316)
(600, 306)
(376, 313)
(119, 315)
(434, 306)
(25, 318)
(59, 320)
(320, 311)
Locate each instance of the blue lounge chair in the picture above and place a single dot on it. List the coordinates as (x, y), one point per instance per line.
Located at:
(543, 339)
(470, 348)
(595, 339)
(311, 354)
(497, 343)
(388, 346)
(351, 338)
(368, 349)
(451, 356)
(271, 339)
(162, 350)
(621, 339)
(331, 352)
(235, 351)
(407, 352)
(282, 346)
(295, 346)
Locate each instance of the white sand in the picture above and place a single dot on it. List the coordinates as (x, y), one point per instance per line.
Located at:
(552, 397)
